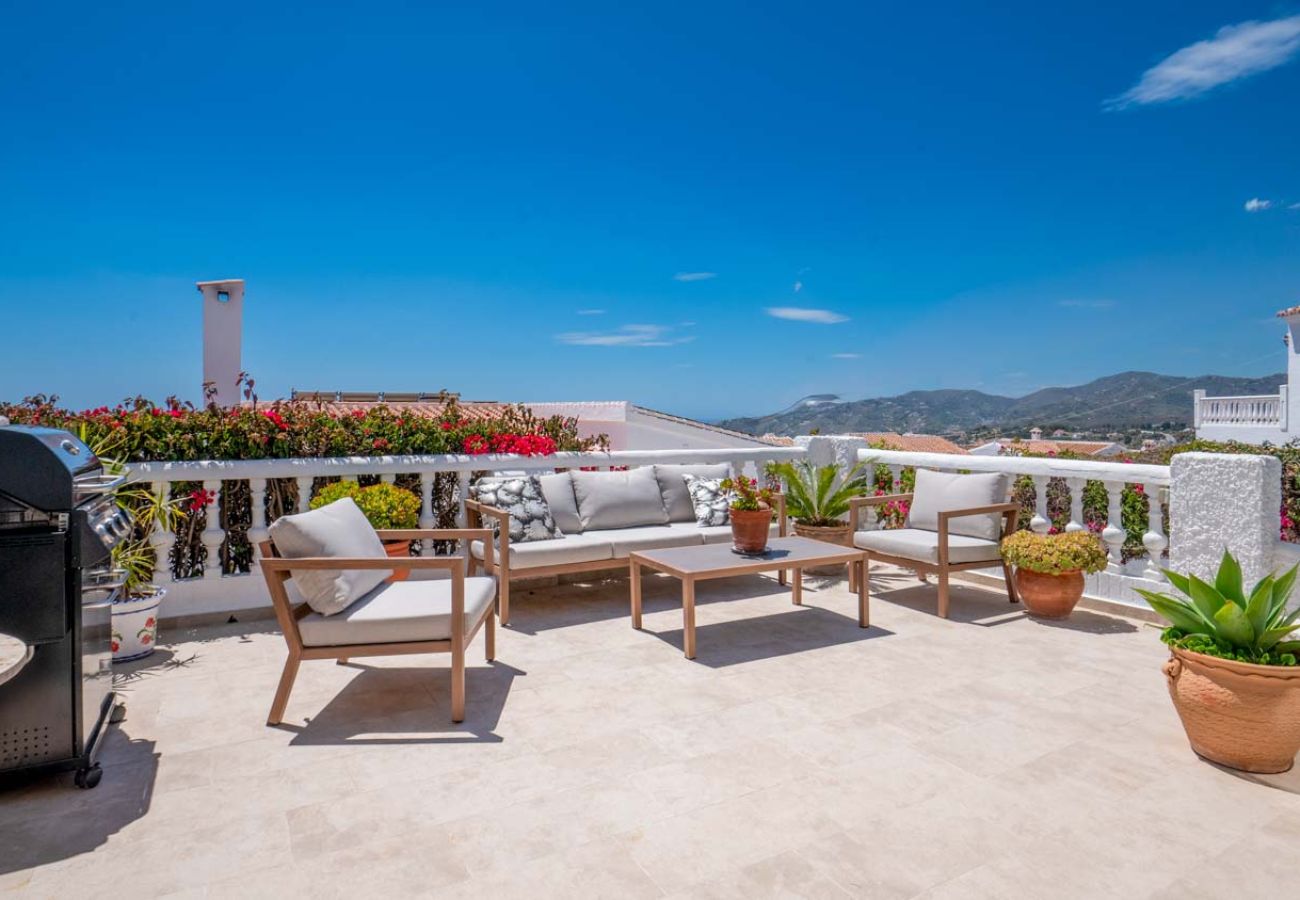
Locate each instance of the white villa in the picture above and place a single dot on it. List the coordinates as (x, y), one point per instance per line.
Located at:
(1267, 418)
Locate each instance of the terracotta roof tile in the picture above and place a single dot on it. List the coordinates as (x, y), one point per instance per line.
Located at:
(914, 443)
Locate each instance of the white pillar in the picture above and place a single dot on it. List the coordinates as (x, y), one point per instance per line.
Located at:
(1221, 500)
(223, 326)
(1154, 539)
(213, 536)
(1113, 534)
(1040, 523)
(257, 530)
(1076, 486)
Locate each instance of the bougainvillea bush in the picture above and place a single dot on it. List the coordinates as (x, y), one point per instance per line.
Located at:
(140, 430)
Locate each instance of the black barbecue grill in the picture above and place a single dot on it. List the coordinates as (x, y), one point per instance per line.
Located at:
(58, 525)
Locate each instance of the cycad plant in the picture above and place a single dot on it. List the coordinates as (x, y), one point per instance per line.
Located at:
(813, 496)
(1223, 620)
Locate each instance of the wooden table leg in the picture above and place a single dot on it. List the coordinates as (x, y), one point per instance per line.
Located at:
(796, 589)
(688, 617)
(635, 591)
(864, 613)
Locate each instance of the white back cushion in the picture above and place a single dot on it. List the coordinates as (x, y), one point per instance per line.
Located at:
(558, 491)
(619, 499)
(338, 529)
(943, 491)
(672, 485)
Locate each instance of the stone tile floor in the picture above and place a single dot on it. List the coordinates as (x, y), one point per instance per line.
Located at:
(799, 756)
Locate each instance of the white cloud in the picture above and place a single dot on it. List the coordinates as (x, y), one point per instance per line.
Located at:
(625, 336)
(591, 312)
(803, 314)
(1235, 51)
(846, 356)
(798, 286)
(1254, 204)
(1294, 206)
(1085, 304)
(694, 276)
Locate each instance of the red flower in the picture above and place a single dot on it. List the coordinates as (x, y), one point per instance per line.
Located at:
(200, 498)
(447, 426)
(150, 622)
(276, 418)
(380, 444)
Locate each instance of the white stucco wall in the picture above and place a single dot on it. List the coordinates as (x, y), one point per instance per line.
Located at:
(1247, 434)
(1219, 501)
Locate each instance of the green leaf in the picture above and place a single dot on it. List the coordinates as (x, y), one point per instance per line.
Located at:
(1282, 590)
(1286, 647)
(1234, 626)
(1178, 581)
(1271, 638)
(1177, 612)
(1207, 599)
(1261, 601)
(1228, 580)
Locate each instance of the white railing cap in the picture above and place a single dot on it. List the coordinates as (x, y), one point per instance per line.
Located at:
(1053, 467)
(315, 467)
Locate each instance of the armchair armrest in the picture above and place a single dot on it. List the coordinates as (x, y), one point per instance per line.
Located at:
(1009, 512)
(857, 503)
(442, 534)
(782, 518)
(453, 564)
(474, 512)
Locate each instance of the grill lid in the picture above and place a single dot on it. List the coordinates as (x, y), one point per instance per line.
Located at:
(47, 468)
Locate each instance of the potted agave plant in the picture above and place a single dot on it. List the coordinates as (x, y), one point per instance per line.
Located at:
(384, 506)
(135, 607)
(1232, 673)
(750, 513)
(1050, 567)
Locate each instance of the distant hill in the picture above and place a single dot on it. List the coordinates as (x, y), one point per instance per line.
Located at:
(1128, 399)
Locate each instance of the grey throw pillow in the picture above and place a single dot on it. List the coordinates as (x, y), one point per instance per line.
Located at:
(712, 503)
(937, 492)
(672, 485)
(337, 529)
(618, 499)
(558, 491)
(522, 497)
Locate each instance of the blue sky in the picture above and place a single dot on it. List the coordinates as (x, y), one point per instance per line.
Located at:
(541, 201)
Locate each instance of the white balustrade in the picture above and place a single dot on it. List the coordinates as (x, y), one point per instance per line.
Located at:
(1076, 486)
(1040, 523)
(1268, 410)
(1154, 539)
(1113, 534)
(212, 473)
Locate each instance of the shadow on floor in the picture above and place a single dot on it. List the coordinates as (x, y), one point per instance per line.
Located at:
(409, 706)
(967, 605)
(722, 644)
(1090, 622)
(547, 608)
(46, 819)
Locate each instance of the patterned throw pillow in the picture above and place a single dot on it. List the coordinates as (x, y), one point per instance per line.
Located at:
(522, 497)
(712, 503)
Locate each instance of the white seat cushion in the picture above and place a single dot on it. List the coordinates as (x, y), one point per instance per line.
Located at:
(649, 537)
(337, 529)
(923, 546)
(401, 611)
(721, 534)
(937, 492)
(572, 548)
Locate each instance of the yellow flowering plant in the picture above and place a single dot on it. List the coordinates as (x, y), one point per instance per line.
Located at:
(1054, 554)
(384, 505)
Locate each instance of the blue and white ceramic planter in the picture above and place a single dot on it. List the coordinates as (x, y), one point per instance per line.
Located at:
(135, 626)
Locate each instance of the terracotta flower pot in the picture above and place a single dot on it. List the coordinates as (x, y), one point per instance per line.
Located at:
(750, 528)
(831, 534)
(398, 550)
(1239, 715)
(1049, 596)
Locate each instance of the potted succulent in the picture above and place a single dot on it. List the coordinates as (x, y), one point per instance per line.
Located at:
(136, 603)
(1232, 674)
(1050, 567)
(384, 506)
(750, 513)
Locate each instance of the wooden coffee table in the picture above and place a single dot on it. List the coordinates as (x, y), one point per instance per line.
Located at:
(699, 563)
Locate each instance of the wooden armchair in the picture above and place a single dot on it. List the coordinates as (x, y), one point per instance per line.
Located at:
(416, 616)
(939, 550)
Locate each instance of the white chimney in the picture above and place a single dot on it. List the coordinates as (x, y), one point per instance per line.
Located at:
(223, 315)
(1035, 434)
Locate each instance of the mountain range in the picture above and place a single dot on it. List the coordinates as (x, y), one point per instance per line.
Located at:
(1126, 400)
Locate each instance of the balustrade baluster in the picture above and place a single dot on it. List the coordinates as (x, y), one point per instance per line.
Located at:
(388, 477)
(1154, 539)
(1040, 523)
(213, 535)
(257, 530)
(895, 480)
(462, 491)
(304, 493)
(162, 538)
(1076, 486)
(1113, 533)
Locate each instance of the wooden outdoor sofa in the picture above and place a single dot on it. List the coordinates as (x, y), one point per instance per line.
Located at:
(603, 517)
